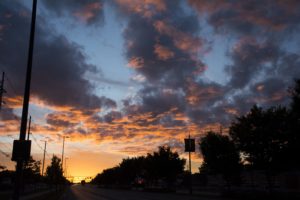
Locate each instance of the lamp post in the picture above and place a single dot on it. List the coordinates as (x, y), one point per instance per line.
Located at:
(66, 166)
(44, 157)
(63, 151)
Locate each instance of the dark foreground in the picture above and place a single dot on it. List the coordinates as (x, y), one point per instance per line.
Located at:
(88, 192)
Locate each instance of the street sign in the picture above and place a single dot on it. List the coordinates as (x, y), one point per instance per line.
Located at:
(189, 145)
(21, 150)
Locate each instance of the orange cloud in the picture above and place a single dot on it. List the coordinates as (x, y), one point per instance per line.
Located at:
(260, 88)
(197, 95)
(136, 62)
(145, 8)
(14, 102)
(232, 111)
(183, 41)
(163, 53)
(88, 12)
(254, 16)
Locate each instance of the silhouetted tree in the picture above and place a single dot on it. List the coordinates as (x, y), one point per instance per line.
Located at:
(261, 137)
(54, 172)
(219, 155)
(32, 170)
(107, 177)
(295, 95)
(131, 168)
(292, 157)
(164, 164)
(6, 175)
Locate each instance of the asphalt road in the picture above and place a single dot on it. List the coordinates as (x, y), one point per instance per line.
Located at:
(88, 192)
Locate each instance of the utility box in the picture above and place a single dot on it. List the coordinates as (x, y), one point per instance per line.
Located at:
(189, 145)
(21, 150)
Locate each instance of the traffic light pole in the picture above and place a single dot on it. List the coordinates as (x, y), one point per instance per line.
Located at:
(23, 128)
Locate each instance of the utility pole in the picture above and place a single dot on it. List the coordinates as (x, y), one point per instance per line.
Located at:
(66, 166)
(62, 154)
(63, 151)
(44, 158)
(29, 128)
(23, 127)
(2, 89)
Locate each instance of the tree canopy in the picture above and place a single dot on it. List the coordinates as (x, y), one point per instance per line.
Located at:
(54, 172)
(32, 170)
(219, 154)
(261, 136)
(162, 164)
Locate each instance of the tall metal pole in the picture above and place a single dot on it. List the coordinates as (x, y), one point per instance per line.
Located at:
(66, 167)
(1, 90)
(62, 155)
(19, 167)
(44, 158)
(29, 128)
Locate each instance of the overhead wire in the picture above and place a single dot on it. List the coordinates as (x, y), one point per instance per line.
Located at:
(4, 153)
(11, 85)
(5, 146)
(39, 146)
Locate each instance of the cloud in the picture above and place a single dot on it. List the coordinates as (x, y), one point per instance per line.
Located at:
(249, 58)
(112, 116)
(61, 119)
(250, 16)
(163, 53)
(86, 11)
(136, 62)
(58, 64)
(145, 8)
(162, 47)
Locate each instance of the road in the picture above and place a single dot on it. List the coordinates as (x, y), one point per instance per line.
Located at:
(88, 192)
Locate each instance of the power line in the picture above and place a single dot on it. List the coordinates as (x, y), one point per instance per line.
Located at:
(6, 154)
(11, 85)
(5, 145)
(40, 147)
(35, 140)
(11, 136)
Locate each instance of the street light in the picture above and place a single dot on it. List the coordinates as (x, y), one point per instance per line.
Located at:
(66, 166)
(63, 151)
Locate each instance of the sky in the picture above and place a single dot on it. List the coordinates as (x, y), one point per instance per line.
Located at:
(118, 78)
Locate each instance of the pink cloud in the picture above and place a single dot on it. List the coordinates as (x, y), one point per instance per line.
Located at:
(88, 12)
(183, 41)
(162, 52)
(145, 8)
(136, 62)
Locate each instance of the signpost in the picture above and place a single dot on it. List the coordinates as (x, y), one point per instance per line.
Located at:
(190, 147)
(21, 150)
